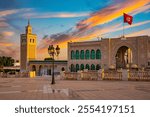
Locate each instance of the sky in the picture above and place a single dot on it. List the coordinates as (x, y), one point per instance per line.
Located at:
(62, 21)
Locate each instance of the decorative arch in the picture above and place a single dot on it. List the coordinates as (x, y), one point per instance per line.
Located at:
(92, 67)
(87, 54)
(98, 54)
(87, 66)
(33, 68)
(98, 67)
(72, 54)
(40, 70)
(72, 68)
(77, 67)
(82, 54)
(62, 69)
(77, 54)
(92, 54)
(82, 66)
(116, 48)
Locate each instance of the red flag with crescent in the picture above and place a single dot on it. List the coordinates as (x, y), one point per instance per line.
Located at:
(128, 19)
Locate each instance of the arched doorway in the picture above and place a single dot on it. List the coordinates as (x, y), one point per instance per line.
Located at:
(33, 68)
(40, 70)
(123, 57)
(72, 68)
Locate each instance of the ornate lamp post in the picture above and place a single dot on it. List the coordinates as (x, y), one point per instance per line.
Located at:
(52, 52)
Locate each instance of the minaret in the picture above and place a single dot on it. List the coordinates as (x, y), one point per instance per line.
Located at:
(27, 47)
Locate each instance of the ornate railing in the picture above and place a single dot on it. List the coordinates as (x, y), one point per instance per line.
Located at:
(71, 75)
(139, 75)
(112, 75)
(89, 75)
(16, 75)
(81, 75)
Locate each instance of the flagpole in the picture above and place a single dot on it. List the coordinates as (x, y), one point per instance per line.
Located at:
(123, 26)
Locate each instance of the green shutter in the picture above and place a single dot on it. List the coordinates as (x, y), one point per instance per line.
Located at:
(92, 54)
(87, 54)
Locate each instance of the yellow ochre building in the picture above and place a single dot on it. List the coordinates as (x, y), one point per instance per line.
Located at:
(28, 43)
(28, 61)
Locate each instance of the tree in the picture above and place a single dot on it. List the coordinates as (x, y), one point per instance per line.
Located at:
(6, 61)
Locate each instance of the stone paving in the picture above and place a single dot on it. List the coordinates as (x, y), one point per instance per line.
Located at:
(41, 89)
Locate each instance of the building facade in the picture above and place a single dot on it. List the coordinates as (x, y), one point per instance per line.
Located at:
(28, 43)
(117, 52)
(45, 67)
(28, 46)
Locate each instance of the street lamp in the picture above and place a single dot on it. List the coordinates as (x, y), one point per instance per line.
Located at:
(53, 51)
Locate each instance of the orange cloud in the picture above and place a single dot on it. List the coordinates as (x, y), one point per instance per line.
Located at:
(8, 33)
(103, 16)
(4, 44)
(112, 12)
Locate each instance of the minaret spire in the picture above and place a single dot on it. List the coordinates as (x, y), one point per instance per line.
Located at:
(28, 28)
(28, 22)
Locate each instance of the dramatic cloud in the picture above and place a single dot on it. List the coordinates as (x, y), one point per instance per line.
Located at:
(4, 44)
(7, 33)
(8, 12)
(9, 50)
(139, 33)
(55, 15)
(114, 11)
(145, 8)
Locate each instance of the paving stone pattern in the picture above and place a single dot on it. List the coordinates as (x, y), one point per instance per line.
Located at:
(41, 89)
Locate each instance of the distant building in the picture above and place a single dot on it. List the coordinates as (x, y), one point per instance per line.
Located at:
(117, 52)
(28, 61)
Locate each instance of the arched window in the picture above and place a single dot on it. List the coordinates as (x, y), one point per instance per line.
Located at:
(33, 68)
(62, 69)
(98, 67)
(87, 67)
(72, 68)
(77, 54)
(98, 54)
(92, 67)
(92, 54)
(82, 67)
(82, 54)
(77, 67)
(87, 54)
(40, 70)
(72, 55)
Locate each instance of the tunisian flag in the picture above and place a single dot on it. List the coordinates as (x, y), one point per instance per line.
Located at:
(128, 19)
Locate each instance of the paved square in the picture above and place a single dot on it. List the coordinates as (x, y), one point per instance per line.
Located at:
(41, 89)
